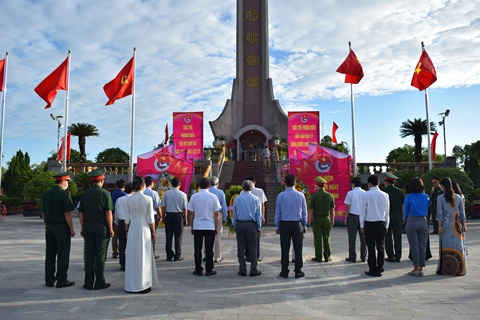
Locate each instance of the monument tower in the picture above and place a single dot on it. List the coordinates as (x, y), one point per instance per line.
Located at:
(252, 116)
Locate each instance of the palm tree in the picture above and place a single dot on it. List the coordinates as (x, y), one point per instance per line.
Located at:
(416, 128)
(83, 130)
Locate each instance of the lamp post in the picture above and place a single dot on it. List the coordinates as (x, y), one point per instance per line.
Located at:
(442, 123)
(60, 125)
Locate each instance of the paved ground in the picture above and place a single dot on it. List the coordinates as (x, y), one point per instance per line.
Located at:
(337, 290)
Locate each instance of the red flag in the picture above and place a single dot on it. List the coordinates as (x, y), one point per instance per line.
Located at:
(60, 151)
(334, 131)
(352, 68)
(424, 74)
(2, 74)
(166, 134)
(434, 144)
(122, 85)
(57, 80)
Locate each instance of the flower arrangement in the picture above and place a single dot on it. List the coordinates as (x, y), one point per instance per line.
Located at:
(230, 196)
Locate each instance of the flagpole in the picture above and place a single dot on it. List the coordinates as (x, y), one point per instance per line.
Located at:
(4, 90)
(430, 165)
(67, 101)
(352, 103)
(133, 118)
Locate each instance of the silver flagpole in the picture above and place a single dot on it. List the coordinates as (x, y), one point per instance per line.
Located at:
(352, 102)
(67, 101)
(430, 165)
(4, 90)
(133, 118)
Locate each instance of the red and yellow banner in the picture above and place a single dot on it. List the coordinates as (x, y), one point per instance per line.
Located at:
(332, 165)
(302, 129)
(188, 133)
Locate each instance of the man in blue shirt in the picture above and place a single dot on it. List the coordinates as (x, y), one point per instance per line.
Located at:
(120, 192)
(291, 224)
(247, 221)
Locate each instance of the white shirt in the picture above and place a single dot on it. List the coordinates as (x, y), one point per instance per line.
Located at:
(355, 199)
(259, 194)
(377, 206)
(121, 208)
(204, 204)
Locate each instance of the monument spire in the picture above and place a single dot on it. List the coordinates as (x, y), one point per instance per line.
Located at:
(252, 115)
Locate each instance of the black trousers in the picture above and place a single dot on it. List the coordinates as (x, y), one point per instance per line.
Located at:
(199, 237)
(246, 242)
(173, 229)
(247, 253)
(375, 238)
(122, 242)
(291, 231)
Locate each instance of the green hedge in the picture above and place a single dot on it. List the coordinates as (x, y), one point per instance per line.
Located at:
(10, 201)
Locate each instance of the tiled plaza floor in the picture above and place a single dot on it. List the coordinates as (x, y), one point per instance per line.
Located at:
(334, 290)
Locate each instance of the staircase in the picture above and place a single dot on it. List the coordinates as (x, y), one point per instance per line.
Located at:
(266, 181)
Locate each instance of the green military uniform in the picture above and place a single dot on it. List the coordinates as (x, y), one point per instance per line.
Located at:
(55, 203)
(94, 204)
(433, 208)
(393, 238)
(320, 203)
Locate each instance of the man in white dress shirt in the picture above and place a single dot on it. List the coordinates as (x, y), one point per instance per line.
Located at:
(120, 214)
(354, 205)
(374, 221)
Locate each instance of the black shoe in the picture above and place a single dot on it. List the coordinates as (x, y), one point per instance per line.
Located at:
(350, 260)
(293, 260)
(299, 274)
(178, 259)
(87, 287)
(66, 284)
(397, 260)
(204, 259)
(122, 268)
(390, 259)
(114, 255)
(104, 286)
(195, 272)
(283, 275)
(434, 232)
(260, 259)
(247, 259)
(146, 290)
(372, 274)
(157, 257)
(243, 273)
(316, 260)
(255, 273)
(169, 259)
(363, 260)
(328, 259)
(211, 273)
(50, 285)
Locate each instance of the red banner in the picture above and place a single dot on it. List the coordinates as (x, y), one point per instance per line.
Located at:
(164, 164)
(188, 133)
(302, 129)
(332, 165)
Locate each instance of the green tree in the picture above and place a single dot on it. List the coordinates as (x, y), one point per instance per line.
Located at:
(112, 155)
(35, 188)
(416, 128)
(455, 174)
(341, 146)
(82, 131)
(407, 154)
(472, 162)
(17, 167)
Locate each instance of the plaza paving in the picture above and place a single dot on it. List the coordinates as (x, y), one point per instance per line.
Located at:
(334, 290)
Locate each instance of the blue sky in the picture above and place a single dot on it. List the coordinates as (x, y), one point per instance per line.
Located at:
(186, 62)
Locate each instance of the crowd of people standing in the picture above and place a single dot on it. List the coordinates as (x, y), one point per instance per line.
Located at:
(132, 212)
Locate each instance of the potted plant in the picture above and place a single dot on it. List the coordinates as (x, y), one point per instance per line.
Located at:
(208, 154)
(276, 139)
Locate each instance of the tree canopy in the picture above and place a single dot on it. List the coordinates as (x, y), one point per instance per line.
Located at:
(82, 131)
(407, 154)
(469, 158)
(17, 167)
(416, 128)
(112, 155)
(341, 146)
(75, 156)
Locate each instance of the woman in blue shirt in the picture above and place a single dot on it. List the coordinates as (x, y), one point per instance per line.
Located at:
(415, 210)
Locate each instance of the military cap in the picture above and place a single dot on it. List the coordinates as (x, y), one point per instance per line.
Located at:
(97, 175)
(320, 181)
(390, 176)
(62, 176)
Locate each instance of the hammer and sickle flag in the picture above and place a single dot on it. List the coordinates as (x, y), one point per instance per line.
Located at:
(122, 85)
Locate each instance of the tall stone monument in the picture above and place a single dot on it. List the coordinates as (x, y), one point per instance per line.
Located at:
(252, 116)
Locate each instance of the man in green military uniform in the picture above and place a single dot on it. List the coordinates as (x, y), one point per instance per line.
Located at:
(57, 207)
(434, 193)
(95, 215)
(321, 214)
(393, 238)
